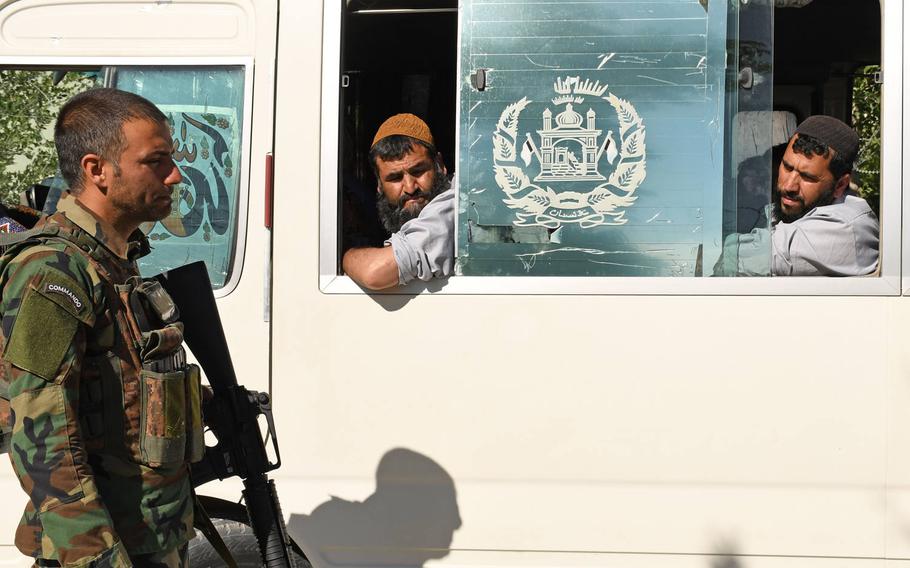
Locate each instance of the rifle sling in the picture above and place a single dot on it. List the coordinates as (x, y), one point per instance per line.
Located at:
(202, 522)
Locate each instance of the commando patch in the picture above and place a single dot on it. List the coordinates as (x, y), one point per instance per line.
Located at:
(64, 291)
(60, 289)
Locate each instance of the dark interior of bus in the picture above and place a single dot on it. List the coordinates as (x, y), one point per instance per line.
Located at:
(400, 56)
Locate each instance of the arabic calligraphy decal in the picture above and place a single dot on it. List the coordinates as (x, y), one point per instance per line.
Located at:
(571, 153)
(203, 143)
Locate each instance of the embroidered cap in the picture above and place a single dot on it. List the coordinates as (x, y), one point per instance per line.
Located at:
(834, 133)
(406, 125)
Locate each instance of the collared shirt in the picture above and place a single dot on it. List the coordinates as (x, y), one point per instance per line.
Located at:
(840, 239)
(424, 247)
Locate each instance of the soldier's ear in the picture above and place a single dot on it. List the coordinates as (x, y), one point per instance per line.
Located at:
(93, 170)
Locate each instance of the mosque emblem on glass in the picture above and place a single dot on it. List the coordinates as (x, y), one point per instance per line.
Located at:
(569, 170)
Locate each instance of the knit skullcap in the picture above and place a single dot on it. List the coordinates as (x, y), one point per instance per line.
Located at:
(832, 132)
(404, 125)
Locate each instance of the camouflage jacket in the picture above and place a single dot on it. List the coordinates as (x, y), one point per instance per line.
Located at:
(102, 473)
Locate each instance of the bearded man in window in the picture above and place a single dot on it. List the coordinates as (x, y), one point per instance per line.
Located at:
(819, 226)
(415, 203)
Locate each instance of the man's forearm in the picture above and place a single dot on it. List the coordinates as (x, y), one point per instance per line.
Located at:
(371, 267)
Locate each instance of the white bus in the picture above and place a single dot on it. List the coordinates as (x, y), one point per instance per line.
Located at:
(586, 390)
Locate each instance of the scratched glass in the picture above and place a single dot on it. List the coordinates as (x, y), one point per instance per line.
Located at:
(599, 139)
(205, 108)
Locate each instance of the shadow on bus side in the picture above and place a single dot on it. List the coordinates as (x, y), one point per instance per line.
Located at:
(410, 518)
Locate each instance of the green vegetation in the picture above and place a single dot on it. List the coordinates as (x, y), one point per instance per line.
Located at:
(867, 108)
(29, 102)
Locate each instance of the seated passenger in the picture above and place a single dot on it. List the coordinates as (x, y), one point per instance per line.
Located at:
(819, 227)
(416, 205)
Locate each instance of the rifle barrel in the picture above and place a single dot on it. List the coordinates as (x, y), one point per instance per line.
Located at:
(262, 504)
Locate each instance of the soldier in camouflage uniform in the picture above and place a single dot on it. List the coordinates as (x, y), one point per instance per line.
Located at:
(105, 411)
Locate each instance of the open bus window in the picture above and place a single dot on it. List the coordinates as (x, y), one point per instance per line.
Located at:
(603, 139)
(397, 57)
(205, 107)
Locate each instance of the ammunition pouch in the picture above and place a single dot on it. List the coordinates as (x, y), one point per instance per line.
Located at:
(170, 412)
(162, 415)
(195, 433)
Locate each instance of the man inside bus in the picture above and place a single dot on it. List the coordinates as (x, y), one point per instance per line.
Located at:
(416, 204)
(819, 227)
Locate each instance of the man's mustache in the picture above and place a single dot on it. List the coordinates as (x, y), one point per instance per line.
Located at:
(416, 195)
(795, 196)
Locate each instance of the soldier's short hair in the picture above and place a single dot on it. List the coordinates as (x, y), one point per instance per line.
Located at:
(92, 123)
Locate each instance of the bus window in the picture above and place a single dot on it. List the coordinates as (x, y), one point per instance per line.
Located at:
(607, 138)
(205, 108)
(396, 57)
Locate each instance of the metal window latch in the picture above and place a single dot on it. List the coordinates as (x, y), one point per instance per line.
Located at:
(878, 77)
(345, 81)
(479, 79)
(746, 78)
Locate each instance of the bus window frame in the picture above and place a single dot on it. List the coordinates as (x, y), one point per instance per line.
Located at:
(44, 62)
(888, 282)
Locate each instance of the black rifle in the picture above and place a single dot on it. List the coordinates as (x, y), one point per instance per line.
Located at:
(231, 414)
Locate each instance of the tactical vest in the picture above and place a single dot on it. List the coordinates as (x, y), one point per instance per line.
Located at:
(159, 423)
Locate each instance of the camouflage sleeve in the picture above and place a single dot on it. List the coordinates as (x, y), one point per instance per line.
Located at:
(47, 309)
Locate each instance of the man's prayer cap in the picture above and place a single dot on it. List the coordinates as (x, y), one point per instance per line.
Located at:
(832, 132)
(404, 125)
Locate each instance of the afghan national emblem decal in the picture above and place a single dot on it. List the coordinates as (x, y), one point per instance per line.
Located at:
(595, 174)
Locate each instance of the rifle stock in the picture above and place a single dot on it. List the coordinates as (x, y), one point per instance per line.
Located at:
(232, 414)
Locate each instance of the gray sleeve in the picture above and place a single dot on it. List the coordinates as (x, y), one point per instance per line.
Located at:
(825, 245)
(424, 247)
(745, 254)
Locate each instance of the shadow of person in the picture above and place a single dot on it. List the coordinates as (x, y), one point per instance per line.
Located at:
(725, 555)
(410, 518)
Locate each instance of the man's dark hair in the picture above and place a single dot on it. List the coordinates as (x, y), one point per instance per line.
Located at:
(809, 145)
(92, 123)
(395, 147)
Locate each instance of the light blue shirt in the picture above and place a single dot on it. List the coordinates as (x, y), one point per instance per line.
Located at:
(424, 247)
(840, 239)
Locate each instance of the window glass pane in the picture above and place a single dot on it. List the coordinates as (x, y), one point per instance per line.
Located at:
(755, 129)
(601, 143)
(867, 106)
(205, 108)
(31, 100)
